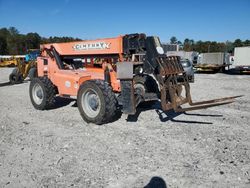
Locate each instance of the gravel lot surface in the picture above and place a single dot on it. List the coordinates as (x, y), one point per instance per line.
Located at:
(56, 148)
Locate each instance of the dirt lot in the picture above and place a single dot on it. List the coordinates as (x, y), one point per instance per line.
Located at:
(56, 148)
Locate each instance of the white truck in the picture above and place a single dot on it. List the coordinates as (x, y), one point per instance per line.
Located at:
(242, 59)
(212, 62)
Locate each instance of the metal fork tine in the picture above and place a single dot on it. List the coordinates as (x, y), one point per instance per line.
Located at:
(179, 109)
(214, 100)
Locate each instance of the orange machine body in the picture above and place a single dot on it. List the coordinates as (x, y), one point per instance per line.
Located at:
(134, 65)
(89, 47)
(91, 52)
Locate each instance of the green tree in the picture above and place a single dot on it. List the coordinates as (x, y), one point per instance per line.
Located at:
(229, 47)
(32, 41)
(179, 42)
(58, 39)
(237, 43)
(13, 31)
(173, 40)
(4, 32)
(12, 41)
(21, 44)
(246, 43)
(188, 44)
(3, 46)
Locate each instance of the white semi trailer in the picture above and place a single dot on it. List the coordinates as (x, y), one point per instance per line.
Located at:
(242, 59)
(212, 62)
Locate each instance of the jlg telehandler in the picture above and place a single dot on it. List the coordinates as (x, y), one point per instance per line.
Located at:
(105, 73)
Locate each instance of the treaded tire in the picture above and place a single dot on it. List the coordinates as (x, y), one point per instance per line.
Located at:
(148, 82)
(48, 90)
(108, 102)
(32, 73)
(15, 77)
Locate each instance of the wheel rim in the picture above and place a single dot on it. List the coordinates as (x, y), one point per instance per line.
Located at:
(140, 88)
(37, 94)
(13, 78)
(91, 103)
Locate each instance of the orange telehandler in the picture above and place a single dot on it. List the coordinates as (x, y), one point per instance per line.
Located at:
(105, 73)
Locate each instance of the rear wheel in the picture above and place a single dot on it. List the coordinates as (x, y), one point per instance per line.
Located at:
(42, 93)
(96, 102)
(15, 77)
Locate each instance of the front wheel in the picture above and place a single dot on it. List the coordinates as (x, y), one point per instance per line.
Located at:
(96, 102)
(42, 93)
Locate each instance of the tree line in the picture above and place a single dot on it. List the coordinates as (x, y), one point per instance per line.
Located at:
(13, 43)
(209, 46)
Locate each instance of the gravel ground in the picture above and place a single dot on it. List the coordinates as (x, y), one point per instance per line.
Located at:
(56, 148)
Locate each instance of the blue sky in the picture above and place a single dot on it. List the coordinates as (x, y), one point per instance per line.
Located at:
(219, 20)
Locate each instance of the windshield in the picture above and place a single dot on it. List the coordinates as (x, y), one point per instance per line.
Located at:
(185, 63)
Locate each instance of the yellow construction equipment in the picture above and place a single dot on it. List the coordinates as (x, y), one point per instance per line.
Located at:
(10, 61)
(25, 65)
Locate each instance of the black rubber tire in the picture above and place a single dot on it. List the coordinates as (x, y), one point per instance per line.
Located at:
(33, 73)
(150, 85)
(49, 92)
(107, 99)
(221, 70)
(15, 77)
